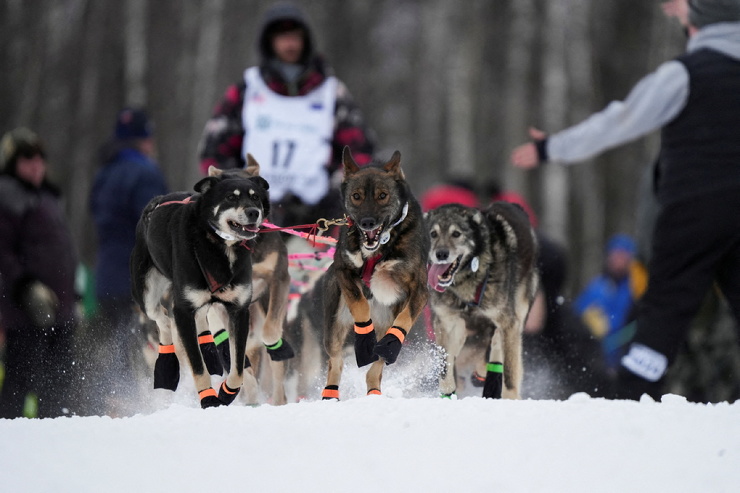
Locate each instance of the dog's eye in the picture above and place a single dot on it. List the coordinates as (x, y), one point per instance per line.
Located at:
(382, 195)
(356, 196)
(232, 198)
(456, 234)
(433, 234)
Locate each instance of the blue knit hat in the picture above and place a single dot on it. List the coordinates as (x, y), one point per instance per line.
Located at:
(132, 123)
(621, 242)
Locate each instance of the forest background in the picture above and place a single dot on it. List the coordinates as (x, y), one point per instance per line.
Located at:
(451, 84)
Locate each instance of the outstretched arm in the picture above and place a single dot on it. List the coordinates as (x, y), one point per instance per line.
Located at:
(656, 100)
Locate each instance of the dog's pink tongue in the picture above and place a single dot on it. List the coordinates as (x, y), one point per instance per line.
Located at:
(433, 273)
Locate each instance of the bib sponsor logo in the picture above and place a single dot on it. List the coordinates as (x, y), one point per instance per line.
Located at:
(263, 122)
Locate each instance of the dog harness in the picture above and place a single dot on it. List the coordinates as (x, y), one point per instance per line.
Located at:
(170, 202)
(213, 284)
(369, 267)
(480, 291)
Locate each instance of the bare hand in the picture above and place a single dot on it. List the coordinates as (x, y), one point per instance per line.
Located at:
(678, 9)
(525, 156)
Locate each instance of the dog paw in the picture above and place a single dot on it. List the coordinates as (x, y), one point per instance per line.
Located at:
(226, 394)
(390, 345)
(494, 383)
(477, 380)
(364, 347)
(330, 393)
(208, 398)
(280, 351)
(210, 354)
(166, 369)
(221, 339)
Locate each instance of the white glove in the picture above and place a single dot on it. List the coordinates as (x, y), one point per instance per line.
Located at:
(40, 304)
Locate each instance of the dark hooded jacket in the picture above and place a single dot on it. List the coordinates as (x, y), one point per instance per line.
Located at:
(221, 144)
(35, 245)
(124, 185)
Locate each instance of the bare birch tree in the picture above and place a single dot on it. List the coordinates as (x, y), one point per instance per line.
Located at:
(555, 185)
(452, 84)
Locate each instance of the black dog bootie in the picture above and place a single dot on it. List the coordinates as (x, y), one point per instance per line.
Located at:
(208, 398)
(494, 384)
(226, 394)
(280, 351)
(390, 345)
(210, 353)
(166, 368)
(221, 340)
(365, 343)
(330, 393)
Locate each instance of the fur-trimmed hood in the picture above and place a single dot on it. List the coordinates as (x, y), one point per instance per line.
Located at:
(284, 11)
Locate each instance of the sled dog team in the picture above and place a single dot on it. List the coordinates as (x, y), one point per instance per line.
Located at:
(207, 272)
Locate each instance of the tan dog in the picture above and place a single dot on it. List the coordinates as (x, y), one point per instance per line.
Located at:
(483, 269)
(377, 280)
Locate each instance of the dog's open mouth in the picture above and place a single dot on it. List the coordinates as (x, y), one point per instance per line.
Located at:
(440, 276)
(244, 230)
(371, 238)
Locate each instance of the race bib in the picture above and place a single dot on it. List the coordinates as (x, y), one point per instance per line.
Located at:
(290, 136)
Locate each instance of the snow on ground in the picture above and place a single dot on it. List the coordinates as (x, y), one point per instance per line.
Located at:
(388, 443)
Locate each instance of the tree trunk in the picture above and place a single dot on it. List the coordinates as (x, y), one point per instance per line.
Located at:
(135, 60)
(517, 106)
(554, 186)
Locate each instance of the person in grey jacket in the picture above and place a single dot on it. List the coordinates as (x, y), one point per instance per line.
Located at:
(695, 101)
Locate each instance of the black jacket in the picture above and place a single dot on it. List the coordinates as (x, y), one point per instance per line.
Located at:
(35, 244)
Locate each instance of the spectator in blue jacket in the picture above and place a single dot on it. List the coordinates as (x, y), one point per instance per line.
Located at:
(607, 303)
(128, 179)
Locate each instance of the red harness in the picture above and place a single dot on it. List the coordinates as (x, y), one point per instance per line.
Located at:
(369, 267)
(185, 201)
(480, 291)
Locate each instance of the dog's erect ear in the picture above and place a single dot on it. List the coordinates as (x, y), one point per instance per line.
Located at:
(261, 182)
(394, 166)
(478, 217)
(203, 185)
(214, 171)
(253, 167)
(350, 166)
(258, 180)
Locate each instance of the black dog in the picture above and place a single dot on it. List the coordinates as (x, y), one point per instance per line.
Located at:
(192, 251)
(270, 288)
